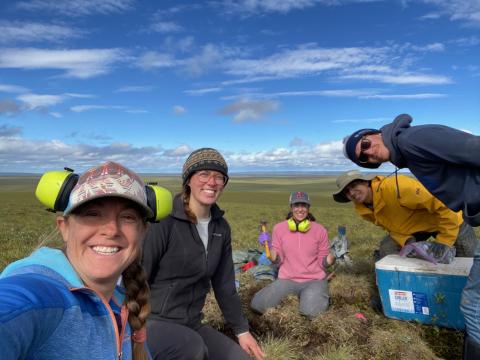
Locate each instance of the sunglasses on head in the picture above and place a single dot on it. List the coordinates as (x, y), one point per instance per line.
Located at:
(365, 144)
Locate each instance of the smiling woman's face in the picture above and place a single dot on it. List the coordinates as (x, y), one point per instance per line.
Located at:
(102, 239)
(299, 211)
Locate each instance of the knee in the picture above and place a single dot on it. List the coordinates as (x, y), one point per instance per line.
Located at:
(169, 343)
(195, 351)
(312, 311)
(258, 304)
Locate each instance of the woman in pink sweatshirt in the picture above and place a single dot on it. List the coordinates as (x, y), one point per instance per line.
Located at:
(301, 248)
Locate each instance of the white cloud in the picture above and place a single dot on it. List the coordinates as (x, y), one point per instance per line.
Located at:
(467, 41)
(199, 92)
(56, 114)
(405, 96)
(83, 108)
(244, 110)
(358, 93)
(9, 107)
(362, 120)
(296, 141)
(79, 63)
(16, 32)
(93, 107)
(259, 6)
(328, 155)
(136, 111)
(467, 11)
(153, 59)
(179, 151)
(179, 110)
(135, 88)
(382, 64)
(18, 154)
(165, 27)
(9, 131)
(77, 7)
(80, 96)
(34, 101)
(406, 78)
(174, 44)
(208, 58)
(12, 88)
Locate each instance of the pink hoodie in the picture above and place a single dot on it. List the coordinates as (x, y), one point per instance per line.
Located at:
(301, 254)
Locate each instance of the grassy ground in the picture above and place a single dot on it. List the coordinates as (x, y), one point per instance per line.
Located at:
(283, 333)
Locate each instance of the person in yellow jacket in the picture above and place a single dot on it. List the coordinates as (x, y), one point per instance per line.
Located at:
(406, 210)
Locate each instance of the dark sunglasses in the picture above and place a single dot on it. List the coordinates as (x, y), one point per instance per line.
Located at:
(365, 144)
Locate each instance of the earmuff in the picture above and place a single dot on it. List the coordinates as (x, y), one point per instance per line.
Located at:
(54, 188)
(159, 200)
(302, 226)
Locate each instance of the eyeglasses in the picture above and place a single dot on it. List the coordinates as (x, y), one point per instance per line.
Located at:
(365, 144)
(205, 176)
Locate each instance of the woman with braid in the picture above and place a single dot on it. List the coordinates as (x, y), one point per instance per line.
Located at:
(184, 256)
(69, 303)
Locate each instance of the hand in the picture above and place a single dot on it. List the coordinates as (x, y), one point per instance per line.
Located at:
(264, 237)
(248, 343)
(442, 253)
(330, 259)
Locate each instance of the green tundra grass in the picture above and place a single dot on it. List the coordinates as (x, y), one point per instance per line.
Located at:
(337, 334)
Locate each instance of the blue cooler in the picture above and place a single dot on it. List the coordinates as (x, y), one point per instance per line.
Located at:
(415, 289)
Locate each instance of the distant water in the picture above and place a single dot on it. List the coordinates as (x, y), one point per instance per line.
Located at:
(233, 173)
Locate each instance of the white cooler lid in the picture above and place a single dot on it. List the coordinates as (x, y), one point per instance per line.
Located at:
(459, 266)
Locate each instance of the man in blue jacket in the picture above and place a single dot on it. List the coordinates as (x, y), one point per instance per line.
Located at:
(447, 162)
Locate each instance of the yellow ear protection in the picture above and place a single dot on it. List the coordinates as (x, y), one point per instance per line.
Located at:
(302, 226)
(54, 188)
(159, 200)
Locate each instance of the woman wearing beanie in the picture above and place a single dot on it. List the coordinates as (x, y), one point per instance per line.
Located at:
(184, 255)
(301, 248)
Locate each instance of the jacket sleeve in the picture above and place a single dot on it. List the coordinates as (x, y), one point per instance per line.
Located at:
(277, 242)
(323, 245)
(223, 283)
(414, 196)
(28, 316)
(155, 245)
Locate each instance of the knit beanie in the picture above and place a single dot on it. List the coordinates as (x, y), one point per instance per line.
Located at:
(204, 159)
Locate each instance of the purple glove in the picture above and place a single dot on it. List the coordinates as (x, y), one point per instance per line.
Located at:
(264, 236)
(419, 250)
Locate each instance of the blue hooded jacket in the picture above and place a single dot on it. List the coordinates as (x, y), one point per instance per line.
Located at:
(46, 312)
(445, 160)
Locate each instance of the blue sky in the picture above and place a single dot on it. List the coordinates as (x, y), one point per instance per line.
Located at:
(274, 85)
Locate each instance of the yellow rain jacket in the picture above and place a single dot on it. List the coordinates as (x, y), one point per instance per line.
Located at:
(416, 210)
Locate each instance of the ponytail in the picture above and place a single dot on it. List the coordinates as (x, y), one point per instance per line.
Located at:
(186, 204)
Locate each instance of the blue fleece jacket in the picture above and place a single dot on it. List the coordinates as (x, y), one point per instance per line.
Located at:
(46, 312)
(445, 160)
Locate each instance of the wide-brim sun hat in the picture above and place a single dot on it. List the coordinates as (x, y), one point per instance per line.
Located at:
(344, 180)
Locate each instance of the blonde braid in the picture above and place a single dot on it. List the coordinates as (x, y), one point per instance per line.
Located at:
(137, 302)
